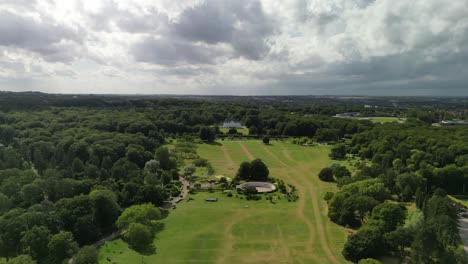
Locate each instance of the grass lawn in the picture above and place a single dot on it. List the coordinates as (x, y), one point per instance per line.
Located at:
(243, 131)
(384, 119)
(234, 230)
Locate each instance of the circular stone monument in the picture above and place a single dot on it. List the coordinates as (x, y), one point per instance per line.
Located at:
(261, 187)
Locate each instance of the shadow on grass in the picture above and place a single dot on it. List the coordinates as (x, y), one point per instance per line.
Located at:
(146, 251)
(158, 227)
(164, 214)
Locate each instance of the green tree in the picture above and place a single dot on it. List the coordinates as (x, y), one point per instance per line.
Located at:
(164, 158)
(78, 167)
(244, 171)
(207, 134)
(144, 214)
(266, 140)
(85, 230)
(390, 214)
(340, 171)
(32, 193)
(62, 246)
(105, 208)
(34, 242)
(366, 242)
(326, 174)
(21, 259)
(259, 171)
(338, 152)
(152, 166)
(139, 237)
(399, 239)
(87, 255)
(5, 203)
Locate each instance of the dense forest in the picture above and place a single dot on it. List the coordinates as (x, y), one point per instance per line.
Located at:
(72, 169)
(402, 163)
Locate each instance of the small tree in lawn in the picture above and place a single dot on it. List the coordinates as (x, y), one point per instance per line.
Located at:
(326, 174)
(266, 140)
(139, 237)
(244, 171)
(259, 171)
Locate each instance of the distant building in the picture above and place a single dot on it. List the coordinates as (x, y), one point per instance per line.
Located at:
(231, 124)
(211, 199)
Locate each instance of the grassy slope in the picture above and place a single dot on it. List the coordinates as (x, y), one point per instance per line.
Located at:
(382, 119)
(230, 232)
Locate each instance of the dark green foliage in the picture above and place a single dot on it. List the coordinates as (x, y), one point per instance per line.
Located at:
(21, 259)
(258, 170)
(390, 215)
(232, 131)
(61, 246)
(139, 237)
(144, 214)
(266, 140)
(164, 158)
(105, 208)
(34, 242)
(207, 134)
(338, 152)
(244, 170)
(328, 196)
(200, 162)
(87, 255)
(340, 171)
(355, 201)
(366, 242)
(326, 174)
(255, 170)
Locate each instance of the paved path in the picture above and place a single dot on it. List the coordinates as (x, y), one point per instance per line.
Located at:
(183, 193)
(463, 227)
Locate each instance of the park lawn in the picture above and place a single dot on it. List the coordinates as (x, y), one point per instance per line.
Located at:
(384, 119)
(242, 131)
(228, 231)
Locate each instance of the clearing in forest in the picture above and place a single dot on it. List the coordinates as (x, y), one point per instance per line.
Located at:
(234, 230)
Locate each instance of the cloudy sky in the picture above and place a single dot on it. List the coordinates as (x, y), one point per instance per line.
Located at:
(238, 47)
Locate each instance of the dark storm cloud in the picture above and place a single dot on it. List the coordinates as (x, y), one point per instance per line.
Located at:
(241, 24)
(172, 53)
(41, 37)
(197, 35)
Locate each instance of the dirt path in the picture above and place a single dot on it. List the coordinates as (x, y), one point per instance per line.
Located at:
(228, 239)
(301, 202)
(228, 157)
(300, 171)
(246, 151)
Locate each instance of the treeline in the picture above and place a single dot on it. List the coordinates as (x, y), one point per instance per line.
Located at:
(401, 163)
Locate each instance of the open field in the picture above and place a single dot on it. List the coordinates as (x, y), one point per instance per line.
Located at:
(239, 231)
(384, 119)
(243, 131)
